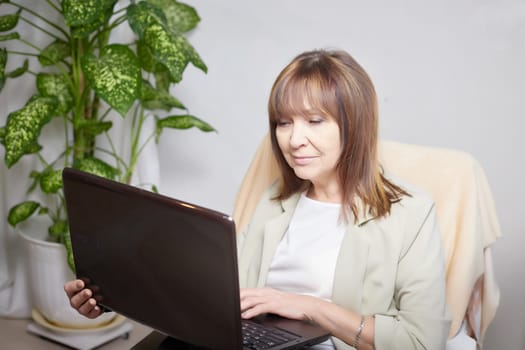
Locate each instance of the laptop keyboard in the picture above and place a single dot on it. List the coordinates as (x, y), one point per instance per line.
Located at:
(258, 337)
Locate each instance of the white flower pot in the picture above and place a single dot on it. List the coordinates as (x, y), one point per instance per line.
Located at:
(47, 271)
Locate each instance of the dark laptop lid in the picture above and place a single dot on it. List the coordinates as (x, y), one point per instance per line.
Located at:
(125, 238)
(163, 262)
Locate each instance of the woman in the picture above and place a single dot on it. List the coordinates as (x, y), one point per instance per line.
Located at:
(336, 241)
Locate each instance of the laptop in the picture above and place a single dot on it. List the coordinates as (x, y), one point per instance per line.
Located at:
(168, 264)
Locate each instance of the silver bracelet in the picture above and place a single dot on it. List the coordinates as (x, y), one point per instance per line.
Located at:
(358, 334)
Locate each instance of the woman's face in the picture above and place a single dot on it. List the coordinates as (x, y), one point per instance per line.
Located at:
(311, 145)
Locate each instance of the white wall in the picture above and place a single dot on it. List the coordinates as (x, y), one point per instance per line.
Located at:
(448, 73)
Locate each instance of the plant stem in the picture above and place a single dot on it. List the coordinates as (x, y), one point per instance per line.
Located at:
(51, 214)
(117, 22)
(23, 53)
(106, 113)
(52, 164)
(60, 206)
(79, 143)
(114, 155)
(66, 141)
(124, 9)
(40, 28)
(89, 102)
(57, 27)
(95, 104)
(53, 5)
(30, 44)
(134, 122)
(102, 36)
(114, 150)
(133, 157)
(145, 143)
(42, 160)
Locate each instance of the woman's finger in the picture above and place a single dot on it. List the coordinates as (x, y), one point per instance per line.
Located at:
(88, 307)
(95, 312)
(256, 310)
(80, 298)
(73, 287)
(250, 302)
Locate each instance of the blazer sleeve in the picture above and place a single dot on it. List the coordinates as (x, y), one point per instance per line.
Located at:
(423, 320)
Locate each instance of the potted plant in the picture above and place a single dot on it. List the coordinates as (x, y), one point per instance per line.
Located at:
(86, 81)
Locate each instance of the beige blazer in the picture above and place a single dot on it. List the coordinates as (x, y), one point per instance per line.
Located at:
(391, 267)
(465, 210)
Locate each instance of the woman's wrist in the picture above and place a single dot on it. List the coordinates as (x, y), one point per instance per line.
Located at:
(357, 337)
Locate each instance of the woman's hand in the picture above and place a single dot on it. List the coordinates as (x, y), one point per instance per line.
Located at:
(256, 301)
(81, 298)
(340, 322)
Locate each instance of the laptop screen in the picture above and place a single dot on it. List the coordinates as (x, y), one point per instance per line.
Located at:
(165, 263)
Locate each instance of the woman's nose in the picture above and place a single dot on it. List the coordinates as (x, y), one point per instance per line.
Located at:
(298, 136)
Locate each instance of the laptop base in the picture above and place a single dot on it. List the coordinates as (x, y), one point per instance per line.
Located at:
(159, 341)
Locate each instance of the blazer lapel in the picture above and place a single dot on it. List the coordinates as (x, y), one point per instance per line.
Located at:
(351, 268)
(273, 233)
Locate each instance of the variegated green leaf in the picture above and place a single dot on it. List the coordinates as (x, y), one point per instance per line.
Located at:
(58, 229)
(3, 62)
(51, 181)
(83, 12)
(19, 71)
(183, 122)
(3, 57)
(172, 50)
(142, 15)
(85, 30)
(79, 12)
(10, 36)
(8, 22)
(158, 99)
(115, 76)
(24, 125)
(2, 134)
(43, 211)
(35, 176)
(66, 240)
(54, 52)
(56, 85)
(147, 61)
(33, 148)
(196, 59)
(22, 212)
(93, 127)
(96, 166)
(162, 80)
(181, 17)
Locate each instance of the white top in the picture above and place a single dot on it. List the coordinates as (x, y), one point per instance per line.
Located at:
(305, 260)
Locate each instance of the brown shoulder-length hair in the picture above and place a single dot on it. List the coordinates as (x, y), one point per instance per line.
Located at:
(334, 84)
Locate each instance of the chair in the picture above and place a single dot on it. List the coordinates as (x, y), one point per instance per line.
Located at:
(466, 216)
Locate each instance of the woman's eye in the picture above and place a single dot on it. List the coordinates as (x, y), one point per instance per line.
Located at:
(283, 122)
(316, 121)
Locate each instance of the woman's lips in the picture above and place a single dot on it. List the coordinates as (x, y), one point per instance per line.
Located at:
(303, 160)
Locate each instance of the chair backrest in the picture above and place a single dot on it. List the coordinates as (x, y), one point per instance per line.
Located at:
(465, 210)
